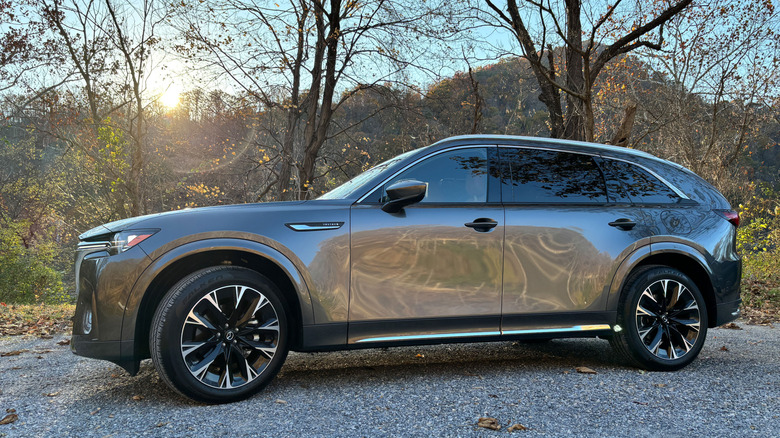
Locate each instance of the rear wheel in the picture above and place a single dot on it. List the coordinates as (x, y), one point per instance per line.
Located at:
(220, 335)
(663, 318)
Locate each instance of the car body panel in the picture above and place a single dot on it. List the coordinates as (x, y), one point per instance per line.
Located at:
(562, 261)
(406, 265)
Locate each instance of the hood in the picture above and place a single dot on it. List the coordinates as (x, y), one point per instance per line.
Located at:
(129, 223)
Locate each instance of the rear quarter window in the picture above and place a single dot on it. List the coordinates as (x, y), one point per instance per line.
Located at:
(641, 186)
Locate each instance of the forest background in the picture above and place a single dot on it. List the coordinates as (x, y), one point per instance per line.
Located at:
(117, 108)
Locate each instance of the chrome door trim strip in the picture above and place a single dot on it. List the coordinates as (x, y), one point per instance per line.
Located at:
(314, 226)
(433, 336)
(576, 328)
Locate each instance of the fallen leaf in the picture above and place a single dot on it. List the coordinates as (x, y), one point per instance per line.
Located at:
(585, 370)
(13, 353)
(659, 385)
(492, 395)
(732, 326)
(280, 401)
(724, 348)
(52, 394)
(566, 372)
(420, 355)
(95, 411)
(8, 419)
(64, 342)
(640, 403)
(516, 426)
(160, 424)
(138, 397)
(488, 423)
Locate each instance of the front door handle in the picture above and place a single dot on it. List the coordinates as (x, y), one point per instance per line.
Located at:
(482, 224)
(623, 223)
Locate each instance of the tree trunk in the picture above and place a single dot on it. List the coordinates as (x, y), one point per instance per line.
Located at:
(623, 133)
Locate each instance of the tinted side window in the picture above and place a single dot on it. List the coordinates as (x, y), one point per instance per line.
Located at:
(535, 176)
(641, 186)
(458, 176)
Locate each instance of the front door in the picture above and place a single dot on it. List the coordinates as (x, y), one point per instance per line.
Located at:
(432, 270)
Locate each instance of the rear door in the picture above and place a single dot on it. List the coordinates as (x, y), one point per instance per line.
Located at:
(564, 239)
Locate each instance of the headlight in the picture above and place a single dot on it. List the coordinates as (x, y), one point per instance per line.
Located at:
(125, 240)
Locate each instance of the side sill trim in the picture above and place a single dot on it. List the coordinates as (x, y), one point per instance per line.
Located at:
(576, 328)
(434, 336)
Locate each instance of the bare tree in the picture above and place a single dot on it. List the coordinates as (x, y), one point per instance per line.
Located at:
(307, 58)
(588, 40)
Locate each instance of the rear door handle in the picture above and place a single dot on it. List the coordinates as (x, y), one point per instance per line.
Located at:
(623, 223)
(482, 224)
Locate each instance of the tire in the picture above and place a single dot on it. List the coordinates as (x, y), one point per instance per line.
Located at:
(663, 320)
(205, 350)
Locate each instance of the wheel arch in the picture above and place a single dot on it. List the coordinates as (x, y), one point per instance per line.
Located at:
(687, 260)
(171, 267)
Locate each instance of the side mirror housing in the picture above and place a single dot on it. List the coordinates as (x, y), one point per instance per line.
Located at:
(403, 193)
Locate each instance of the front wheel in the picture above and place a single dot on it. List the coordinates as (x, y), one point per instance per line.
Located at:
(220, 334)
(663, 318)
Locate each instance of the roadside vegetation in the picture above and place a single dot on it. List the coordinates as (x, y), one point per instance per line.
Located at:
(108, 110)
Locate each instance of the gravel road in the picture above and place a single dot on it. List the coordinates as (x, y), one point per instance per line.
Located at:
(733, 389)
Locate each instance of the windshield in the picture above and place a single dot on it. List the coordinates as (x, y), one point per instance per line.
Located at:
(348, 188)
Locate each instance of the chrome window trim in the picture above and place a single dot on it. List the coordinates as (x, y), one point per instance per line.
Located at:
(384, 181)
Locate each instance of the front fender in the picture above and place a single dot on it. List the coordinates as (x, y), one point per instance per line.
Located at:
(133, 304)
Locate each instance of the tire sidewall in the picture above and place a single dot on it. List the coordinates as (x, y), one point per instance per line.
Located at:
(628, 313)
(173, 311)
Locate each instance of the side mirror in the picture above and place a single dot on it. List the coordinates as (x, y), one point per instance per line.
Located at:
(404, 193)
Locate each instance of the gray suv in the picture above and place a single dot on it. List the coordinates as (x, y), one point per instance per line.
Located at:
(474, 238)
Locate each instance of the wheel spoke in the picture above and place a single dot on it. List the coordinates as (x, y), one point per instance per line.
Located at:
(656, 342)
(190, 347)
(642, 311)
(645, 331)
(685, 343)
(692, 324)
(268, 327)
(198, 319)
(200, 369)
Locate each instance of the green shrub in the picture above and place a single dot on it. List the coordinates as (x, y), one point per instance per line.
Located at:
(25, 273)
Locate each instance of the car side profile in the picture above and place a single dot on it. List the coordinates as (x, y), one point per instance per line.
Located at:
(471, 239)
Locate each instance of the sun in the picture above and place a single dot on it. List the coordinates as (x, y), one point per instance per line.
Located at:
(170, 98)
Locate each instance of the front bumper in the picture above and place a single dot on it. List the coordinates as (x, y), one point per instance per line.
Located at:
(728, 312)
(103, 284)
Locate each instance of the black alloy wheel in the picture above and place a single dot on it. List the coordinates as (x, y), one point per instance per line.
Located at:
(662, 320)
(220, 335)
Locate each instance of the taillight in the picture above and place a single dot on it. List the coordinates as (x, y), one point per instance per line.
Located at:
(730, 215)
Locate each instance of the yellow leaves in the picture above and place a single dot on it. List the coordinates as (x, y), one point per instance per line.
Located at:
(204, 190)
